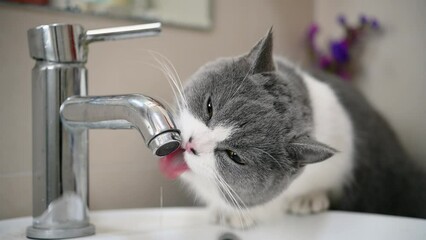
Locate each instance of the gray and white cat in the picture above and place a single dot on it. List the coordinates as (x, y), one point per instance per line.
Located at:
(262, 138)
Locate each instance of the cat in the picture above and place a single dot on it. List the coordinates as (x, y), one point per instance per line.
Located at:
(262, 138)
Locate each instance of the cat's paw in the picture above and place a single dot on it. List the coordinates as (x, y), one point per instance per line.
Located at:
(240, 221)
(309, 204)
(214, 216)
(234, 220)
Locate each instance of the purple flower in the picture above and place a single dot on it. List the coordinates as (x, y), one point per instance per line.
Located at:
(312, 32)
(344, 75)
(345, 43)
(339, 51)
(338, 59)
(341, 20)
(375, 24)
(324, 62)
(363, 19)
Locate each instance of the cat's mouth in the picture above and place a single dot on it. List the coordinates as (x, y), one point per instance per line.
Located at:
(173, 165)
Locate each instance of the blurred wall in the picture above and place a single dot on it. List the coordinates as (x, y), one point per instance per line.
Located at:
(123, 173)
(394, 63)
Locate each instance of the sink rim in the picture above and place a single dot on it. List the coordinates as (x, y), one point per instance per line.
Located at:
(160, 222)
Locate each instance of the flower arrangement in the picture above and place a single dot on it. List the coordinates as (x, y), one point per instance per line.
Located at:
(340, 56)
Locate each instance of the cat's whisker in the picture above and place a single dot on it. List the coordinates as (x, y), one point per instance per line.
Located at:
(226, 95)
(225, 192)
(169, 106)
(230, 195)
(236, 198)
(173, 80)
(234, 201)
(232, 192)
(170, 83)
(164, 73)
(217, 174)
(169, 63)
(245, 212)
(172, 70)
(242, 81)
(278, 162)
(179, 81)
(174, 76)
(180, 99)
(224, 189)
(169, 72)
(242, 208)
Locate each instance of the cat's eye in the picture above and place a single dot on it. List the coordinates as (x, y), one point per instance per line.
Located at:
(209, 108)
(234, 157)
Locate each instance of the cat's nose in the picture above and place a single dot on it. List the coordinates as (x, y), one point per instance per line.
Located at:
(189, 147)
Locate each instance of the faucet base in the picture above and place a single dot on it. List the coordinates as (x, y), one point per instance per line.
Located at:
(37, 233)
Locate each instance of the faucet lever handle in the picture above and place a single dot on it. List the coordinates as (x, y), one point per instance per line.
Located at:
(125, 32)
(65, 43)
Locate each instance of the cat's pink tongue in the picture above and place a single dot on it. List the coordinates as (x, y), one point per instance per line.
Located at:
(173, 164)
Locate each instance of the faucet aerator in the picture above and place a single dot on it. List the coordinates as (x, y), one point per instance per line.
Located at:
(165, 143)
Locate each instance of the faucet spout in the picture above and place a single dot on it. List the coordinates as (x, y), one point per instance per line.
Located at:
(143, 113)
(62, 114)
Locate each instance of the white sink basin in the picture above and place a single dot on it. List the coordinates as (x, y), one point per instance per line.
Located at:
(192, 223)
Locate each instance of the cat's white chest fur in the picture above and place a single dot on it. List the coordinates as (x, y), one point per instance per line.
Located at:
(333, 127)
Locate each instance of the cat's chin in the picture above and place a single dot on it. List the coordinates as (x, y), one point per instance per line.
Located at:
(173, 165)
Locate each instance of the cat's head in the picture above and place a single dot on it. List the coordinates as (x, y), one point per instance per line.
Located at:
(246, 125)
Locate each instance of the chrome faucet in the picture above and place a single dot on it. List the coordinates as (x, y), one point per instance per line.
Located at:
(62, 115)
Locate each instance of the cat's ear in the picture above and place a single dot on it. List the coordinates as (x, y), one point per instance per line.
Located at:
(261, 55)
(306, 151)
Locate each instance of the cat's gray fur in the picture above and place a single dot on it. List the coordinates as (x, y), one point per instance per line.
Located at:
(385, 179)
(267, 103)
